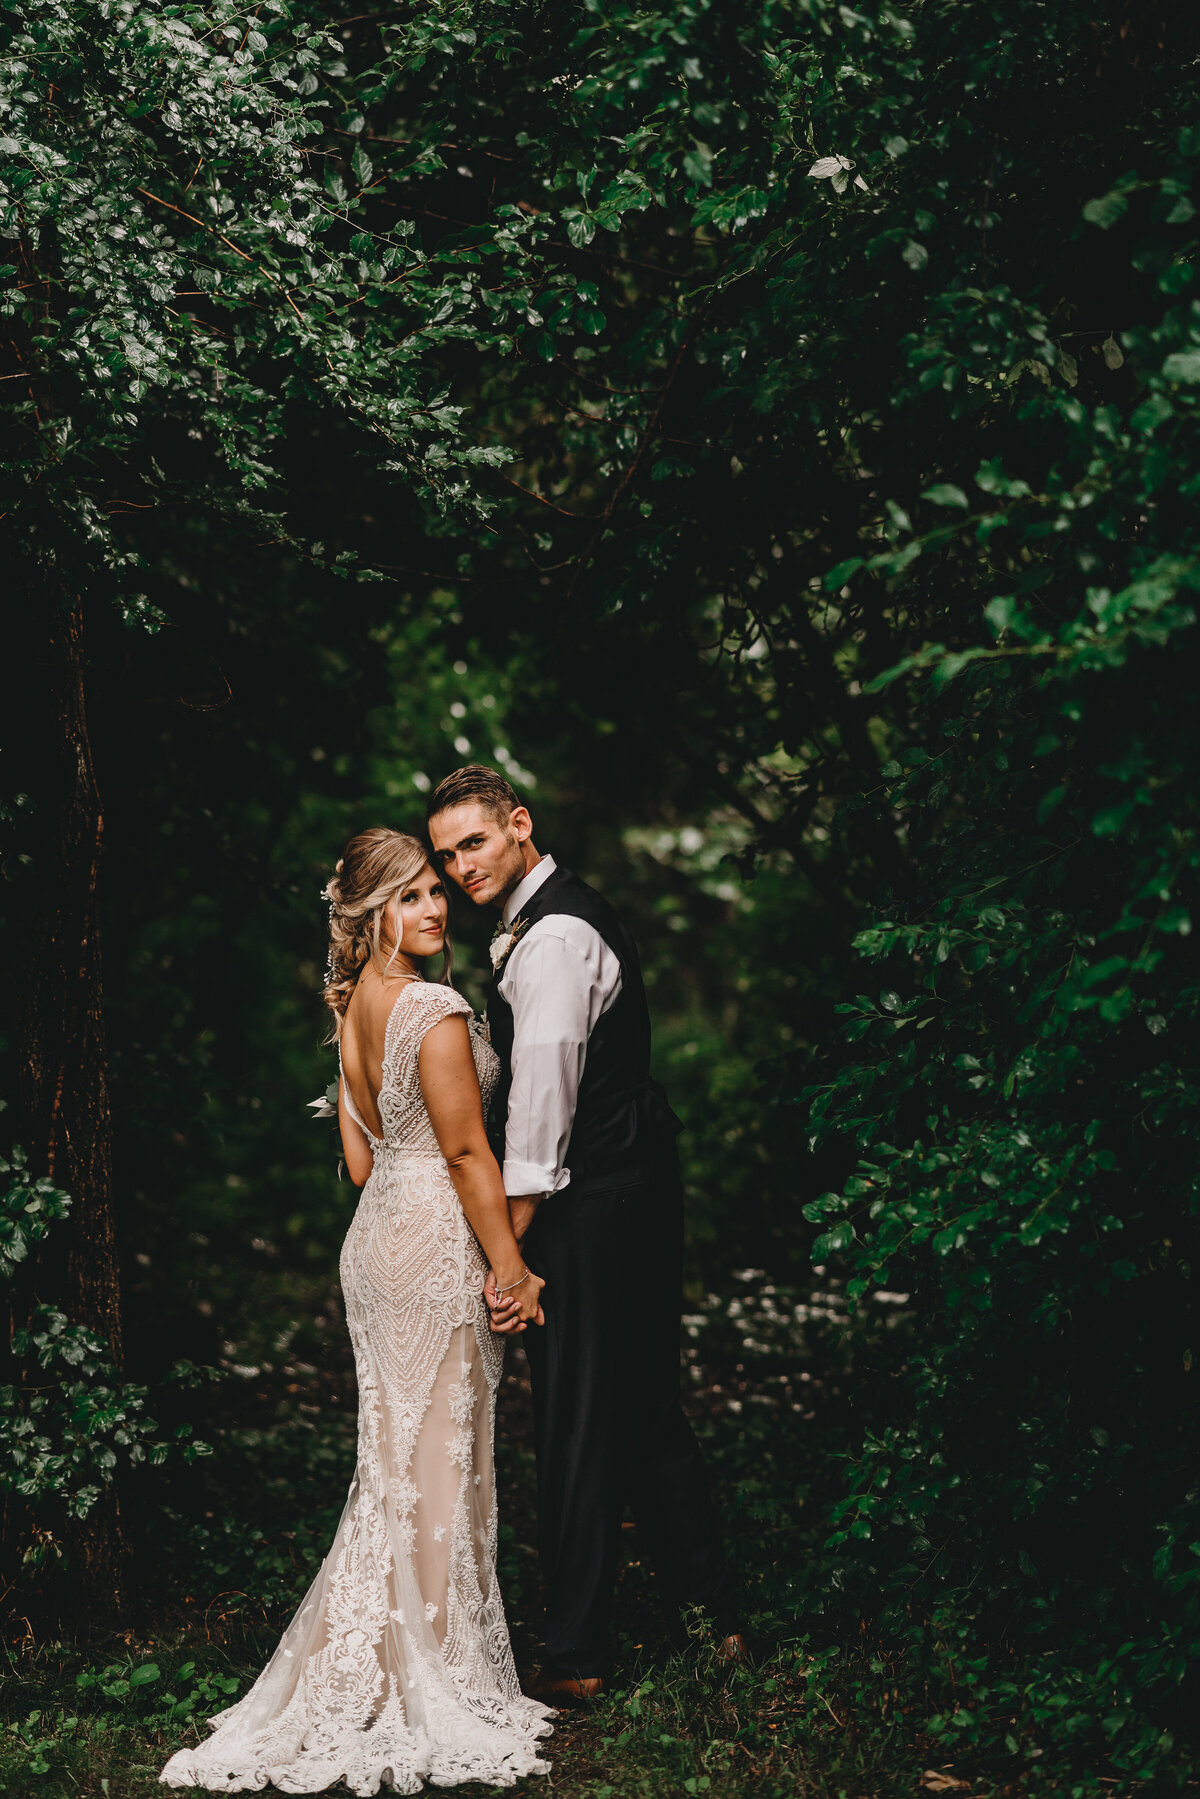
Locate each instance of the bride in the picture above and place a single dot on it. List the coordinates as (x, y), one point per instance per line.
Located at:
(397, 1667)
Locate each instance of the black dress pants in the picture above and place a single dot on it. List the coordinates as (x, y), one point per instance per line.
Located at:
(607, 1419)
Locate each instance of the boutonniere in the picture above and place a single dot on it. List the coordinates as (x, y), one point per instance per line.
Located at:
(326, 1106)
(504, 941)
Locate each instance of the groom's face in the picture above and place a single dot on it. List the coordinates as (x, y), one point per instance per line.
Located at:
(480, 853)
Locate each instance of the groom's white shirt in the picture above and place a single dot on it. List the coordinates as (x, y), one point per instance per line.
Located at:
(559, 979)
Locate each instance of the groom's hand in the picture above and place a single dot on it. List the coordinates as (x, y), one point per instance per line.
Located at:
(522, 1210)
(504, 1313)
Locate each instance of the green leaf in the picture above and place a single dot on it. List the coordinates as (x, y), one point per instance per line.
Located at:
(581, 228)
(839, 1237)
(1183, 365)
(1003, 613)
(1107, 209)
(698, 165)
(992, 478)
(841, 572)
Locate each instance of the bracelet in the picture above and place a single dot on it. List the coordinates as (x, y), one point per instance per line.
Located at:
(501, 1291)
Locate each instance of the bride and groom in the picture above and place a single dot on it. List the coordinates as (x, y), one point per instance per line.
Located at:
(566, 1227)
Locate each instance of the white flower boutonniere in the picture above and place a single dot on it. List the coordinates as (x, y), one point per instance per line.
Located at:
(326, 1106)
(504, 941)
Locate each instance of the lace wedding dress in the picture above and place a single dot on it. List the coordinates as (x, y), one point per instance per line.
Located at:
(397, 1667)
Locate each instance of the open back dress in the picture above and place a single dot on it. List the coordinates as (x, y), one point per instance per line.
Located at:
(397, 1668)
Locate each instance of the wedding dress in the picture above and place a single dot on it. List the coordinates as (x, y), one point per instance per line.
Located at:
(397, 1668)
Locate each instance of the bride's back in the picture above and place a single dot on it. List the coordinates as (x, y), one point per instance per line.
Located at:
(363, 1038)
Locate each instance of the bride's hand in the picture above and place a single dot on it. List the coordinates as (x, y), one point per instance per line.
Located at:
(516, 1308)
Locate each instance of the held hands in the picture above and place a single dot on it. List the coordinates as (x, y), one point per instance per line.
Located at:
(515, 1301)
(516, 1306)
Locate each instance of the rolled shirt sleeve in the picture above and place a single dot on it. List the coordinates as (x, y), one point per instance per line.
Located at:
(559, 979)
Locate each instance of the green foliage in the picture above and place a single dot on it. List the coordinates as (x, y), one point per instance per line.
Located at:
(179, 277)
(139, 1687)
(27, 1209)
(68, 1421)
(1021, 1095)
(102, 1722)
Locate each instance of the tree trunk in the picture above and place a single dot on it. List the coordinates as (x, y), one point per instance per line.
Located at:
(65, 1120)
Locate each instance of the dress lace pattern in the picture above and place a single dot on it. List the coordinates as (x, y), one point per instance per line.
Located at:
(397, 1668)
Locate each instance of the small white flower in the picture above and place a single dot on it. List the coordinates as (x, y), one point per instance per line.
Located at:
(439, 1531)
(431, 1611)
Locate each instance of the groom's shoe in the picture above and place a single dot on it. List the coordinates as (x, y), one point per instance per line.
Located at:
(568, 1689)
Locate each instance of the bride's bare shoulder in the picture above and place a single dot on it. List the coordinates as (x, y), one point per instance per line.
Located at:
(372, 1001)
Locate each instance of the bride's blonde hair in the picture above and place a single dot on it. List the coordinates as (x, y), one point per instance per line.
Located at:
(376, 866)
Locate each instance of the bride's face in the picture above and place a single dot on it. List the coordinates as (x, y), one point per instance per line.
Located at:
(418, 915)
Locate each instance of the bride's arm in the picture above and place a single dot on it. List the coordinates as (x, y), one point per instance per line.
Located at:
(450, 1088)
(356, 1151)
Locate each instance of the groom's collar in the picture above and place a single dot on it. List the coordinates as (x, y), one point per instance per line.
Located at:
(525, 890)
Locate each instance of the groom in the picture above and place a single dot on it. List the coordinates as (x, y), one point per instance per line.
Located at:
(586, 1141)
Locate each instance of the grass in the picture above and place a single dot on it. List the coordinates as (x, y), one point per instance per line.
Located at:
(675, 1727)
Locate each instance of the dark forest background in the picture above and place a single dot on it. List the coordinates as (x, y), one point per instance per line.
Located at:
(769, 433)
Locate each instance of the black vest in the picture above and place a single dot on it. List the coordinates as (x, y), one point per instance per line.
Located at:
(621, 1116)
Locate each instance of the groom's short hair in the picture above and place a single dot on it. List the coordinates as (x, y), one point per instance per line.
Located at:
(474, 783)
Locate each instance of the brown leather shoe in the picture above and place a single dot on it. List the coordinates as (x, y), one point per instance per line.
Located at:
(566, 1689)
(732, 1650)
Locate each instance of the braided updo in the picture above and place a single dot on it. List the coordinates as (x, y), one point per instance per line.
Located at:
(376, 866)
